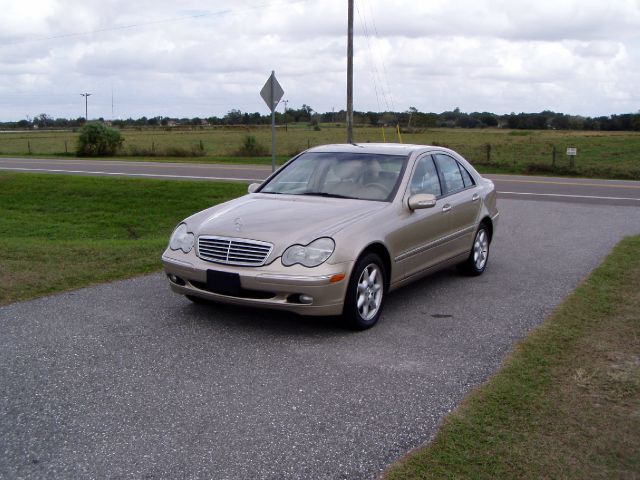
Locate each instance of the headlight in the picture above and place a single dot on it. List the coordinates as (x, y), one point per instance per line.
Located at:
(311, 255)
(181, 239)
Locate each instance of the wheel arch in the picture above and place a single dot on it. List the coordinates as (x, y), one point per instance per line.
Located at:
(489, 223)
(380, 250)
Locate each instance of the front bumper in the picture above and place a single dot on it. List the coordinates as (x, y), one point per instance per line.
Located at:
(270, 286)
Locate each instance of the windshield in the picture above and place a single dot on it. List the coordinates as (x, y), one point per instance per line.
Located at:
(362, 176)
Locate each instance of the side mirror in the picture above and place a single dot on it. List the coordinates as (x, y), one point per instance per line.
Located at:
(253, 187)
(422, 200)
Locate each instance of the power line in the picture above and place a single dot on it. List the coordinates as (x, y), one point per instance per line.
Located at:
(384, 67)
(380, 80)
(372, 65)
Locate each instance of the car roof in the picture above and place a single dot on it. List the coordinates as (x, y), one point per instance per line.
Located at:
(378, 148)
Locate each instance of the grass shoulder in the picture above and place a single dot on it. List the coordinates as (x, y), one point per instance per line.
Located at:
(60, 232)
(565, 404)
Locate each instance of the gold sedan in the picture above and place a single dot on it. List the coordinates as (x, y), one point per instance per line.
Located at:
(337, 228)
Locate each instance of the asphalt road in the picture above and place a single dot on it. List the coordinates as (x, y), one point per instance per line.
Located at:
(127, 380)
(574, 190)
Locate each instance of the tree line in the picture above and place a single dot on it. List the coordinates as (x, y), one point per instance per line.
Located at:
(410, 119)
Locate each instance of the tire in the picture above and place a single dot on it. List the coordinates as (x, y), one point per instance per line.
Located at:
(198, 300)
(366, 293)
(479, 255)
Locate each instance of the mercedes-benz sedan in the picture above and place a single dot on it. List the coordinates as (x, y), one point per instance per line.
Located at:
(337, 228)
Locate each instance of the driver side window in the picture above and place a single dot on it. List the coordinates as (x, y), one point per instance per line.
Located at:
(425, 177)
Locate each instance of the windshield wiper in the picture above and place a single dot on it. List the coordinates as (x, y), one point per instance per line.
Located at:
(325, 194)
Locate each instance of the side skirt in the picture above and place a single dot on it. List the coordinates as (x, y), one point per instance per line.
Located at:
(428, 271)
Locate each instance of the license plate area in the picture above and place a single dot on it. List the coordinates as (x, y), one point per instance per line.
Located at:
(224, 283)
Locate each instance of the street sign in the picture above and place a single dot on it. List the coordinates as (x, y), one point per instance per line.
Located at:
(272, 92)
(571, 153)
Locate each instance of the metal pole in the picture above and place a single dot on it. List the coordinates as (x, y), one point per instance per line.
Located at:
(286, 126)
(86, 106)
(350, 74)
(273, 125)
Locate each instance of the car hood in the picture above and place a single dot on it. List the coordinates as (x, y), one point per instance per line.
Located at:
(282, 219)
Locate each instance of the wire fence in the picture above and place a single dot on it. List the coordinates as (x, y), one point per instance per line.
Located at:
(596, 155)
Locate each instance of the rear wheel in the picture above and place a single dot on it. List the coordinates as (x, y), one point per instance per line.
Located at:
(479, 255)
(365, 294)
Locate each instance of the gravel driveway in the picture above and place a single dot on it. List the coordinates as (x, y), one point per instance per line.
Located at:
(127, 380)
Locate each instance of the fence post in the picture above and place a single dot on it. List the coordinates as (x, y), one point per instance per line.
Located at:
(553, 157)
(153, 148)
(29, 146)
(488, 153)
(65, 147)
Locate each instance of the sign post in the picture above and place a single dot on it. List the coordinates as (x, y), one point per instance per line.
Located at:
(571, 153)
(272, 93)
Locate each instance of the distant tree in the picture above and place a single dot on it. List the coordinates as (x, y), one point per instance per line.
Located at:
(488, 119)
(233, 117)
(43, 120)
(560, 122)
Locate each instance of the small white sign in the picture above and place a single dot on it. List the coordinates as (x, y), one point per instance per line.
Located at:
(572, 151)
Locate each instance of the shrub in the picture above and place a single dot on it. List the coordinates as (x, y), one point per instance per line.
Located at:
(251, 148)
(98, 140)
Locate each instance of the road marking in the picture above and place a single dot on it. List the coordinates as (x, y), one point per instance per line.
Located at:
(545, 182)
(568, 196)
(123, 174)
(149, 164)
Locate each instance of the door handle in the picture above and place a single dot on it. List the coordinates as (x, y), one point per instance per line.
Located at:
(475, 197)
(446, 207)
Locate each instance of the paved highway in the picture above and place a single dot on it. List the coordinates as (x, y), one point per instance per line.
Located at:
(603, 192)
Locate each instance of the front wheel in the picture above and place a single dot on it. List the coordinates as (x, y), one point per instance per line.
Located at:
(366, 293)
(479, 255)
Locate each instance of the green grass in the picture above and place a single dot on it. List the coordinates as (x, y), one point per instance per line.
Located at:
(600, 154)
(60, 232)
(566, 403)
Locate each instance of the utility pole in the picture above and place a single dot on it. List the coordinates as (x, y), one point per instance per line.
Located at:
(286, 127)
(350, 74)
(86, 105)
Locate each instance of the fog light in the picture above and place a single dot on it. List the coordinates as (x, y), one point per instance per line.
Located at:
(175, 279)
(306, 299)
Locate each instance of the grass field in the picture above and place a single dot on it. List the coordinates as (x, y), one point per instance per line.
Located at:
(63, 232)
(565, 405)
(600, 154)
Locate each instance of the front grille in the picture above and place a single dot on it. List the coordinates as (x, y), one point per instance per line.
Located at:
(234, 251)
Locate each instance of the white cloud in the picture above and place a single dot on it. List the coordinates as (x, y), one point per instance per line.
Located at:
(186, 59)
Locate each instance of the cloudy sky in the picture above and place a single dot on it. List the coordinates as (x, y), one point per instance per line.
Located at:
(200, 58)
